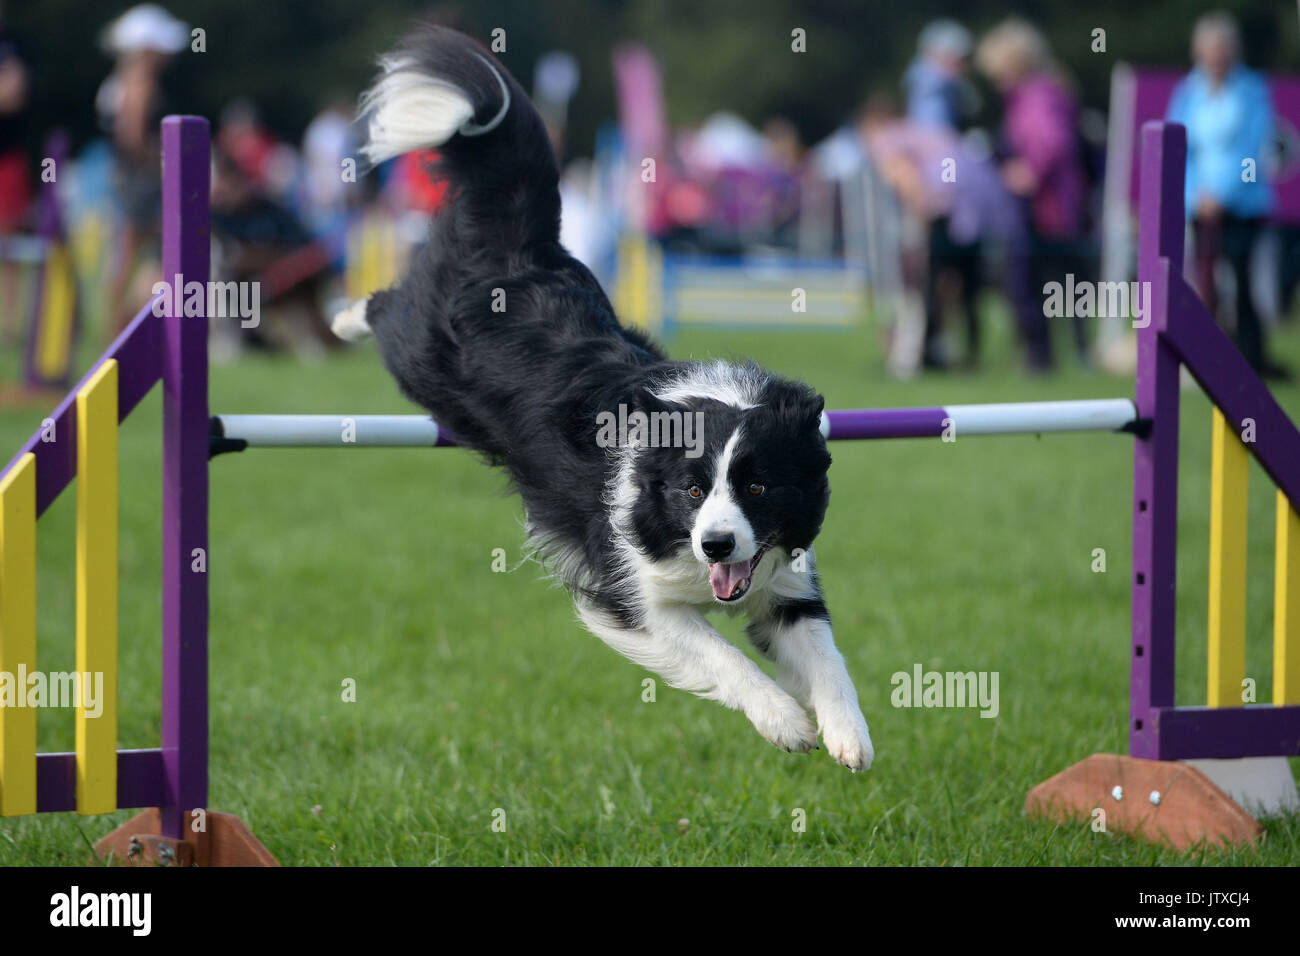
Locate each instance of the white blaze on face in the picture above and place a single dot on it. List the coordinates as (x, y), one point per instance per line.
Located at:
(720, 515)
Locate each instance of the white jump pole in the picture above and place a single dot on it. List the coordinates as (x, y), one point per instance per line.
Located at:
(236, 432)
(326, 431)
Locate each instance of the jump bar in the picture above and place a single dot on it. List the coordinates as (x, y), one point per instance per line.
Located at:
(1014, 418)
(237, 432)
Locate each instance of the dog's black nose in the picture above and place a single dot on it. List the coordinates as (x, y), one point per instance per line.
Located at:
(715, 549)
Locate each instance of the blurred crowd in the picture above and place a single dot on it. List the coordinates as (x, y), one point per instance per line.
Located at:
(992, 171)
(1028, 192)
(1044, 167)
(1012, 205)
(281, 211)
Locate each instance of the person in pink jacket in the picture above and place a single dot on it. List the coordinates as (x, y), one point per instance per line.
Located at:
(1042, 164)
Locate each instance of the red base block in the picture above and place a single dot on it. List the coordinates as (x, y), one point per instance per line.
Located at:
(225, 841)
(1188, 810)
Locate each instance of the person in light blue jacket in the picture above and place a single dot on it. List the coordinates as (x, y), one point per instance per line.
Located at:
(1228, 112)
(935, 84)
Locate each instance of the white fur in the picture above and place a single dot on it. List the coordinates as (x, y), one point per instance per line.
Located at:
(720, 514)
(350, 325)
(811, 669)
(411, 110)
(678, 644)
(619, 497)
(721, 381)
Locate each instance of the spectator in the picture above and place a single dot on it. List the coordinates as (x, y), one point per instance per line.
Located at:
(1042, 163)
(1229, 118)
(15, 107)
(130, 104)
(949, 215)
(15, 182)
(935, 84)
(327, 144)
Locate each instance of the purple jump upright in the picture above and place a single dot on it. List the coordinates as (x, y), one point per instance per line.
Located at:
(1155, 458)
(186, 241)
(181, 830)
(165, 344)
(1149, 792)
(1182, 332)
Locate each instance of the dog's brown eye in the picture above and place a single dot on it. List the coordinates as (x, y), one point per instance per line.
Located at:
(757, 489)
(695, 491)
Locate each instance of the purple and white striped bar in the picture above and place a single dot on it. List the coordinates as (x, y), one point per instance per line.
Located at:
(405, 431)
(1014, 418)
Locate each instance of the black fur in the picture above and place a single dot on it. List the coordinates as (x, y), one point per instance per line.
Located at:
(525, 385)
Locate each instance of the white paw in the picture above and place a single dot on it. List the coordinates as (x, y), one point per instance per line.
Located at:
(845, 734)
(780, 719)
(350, 325)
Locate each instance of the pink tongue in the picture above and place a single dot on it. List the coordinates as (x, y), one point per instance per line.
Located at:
(725, 578)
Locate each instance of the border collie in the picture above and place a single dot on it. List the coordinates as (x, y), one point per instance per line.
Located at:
(510, 342)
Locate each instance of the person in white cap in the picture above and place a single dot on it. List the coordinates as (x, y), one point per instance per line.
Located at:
(130, 105)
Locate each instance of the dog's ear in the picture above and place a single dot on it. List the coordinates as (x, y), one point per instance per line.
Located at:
(801, 408)
(813, 412)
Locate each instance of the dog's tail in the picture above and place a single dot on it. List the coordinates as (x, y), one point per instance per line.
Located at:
(443, 89)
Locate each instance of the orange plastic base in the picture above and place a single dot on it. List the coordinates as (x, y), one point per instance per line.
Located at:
(223, 841)
(1187, 809)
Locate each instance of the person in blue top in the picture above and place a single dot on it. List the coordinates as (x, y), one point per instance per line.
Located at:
(935, 84)
(940, 102)
(1228, 113)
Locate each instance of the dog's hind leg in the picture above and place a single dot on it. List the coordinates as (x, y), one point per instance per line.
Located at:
(350, 325)
(681, 646)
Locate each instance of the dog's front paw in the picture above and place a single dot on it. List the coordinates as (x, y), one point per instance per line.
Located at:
(780, 719)
(847, 739)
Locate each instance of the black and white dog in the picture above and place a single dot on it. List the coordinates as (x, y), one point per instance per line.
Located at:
(510, 342)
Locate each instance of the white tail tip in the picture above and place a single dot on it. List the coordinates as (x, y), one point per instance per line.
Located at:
(350, 325)
(411, 110)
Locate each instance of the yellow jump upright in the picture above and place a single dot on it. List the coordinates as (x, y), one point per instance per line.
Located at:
(58, 315)
(1230, 473)
(17, 638)
(638, 289)
(97, 590)
(1286, 605)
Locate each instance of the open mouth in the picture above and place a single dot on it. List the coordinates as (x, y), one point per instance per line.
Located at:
(731, 581)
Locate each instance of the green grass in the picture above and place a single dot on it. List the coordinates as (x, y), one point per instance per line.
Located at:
(477, 690)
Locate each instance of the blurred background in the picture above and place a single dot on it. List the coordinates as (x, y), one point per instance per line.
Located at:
(922, 171)
(872, 198)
